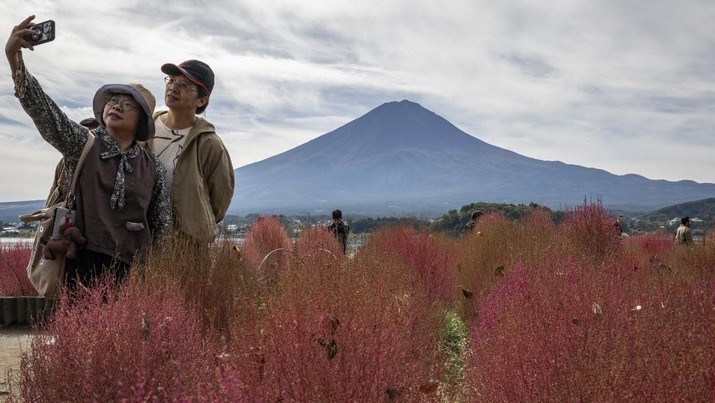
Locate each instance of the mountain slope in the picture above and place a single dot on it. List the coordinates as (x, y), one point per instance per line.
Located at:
(401, 158)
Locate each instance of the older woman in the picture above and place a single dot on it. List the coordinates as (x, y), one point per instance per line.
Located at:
(122, 201)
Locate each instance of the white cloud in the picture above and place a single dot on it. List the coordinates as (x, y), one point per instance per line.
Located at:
(623, 86)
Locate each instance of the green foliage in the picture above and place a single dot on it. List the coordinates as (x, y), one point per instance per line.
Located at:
(453, 222)
(455, 336)
(358, 224)
(363, 225)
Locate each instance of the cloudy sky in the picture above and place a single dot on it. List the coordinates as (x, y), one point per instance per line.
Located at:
(625, 86)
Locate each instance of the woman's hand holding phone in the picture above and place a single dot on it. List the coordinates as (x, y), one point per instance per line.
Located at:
(27, 35)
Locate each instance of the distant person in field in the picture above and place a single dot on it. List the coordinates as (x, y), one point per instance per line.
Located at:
(620, 226)
(684, 234)
(340, 229)
(469, 227)
(199, 169)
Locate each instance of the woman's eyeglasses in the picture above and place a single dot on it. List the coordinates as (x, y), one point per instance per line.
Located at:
(126, 105)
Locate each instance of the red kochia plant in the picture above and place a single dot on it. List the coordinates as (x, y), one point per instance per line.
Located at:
(562, 331)
(108, 345)
(646, 250)
(343, 331)
(432, 262)
(317, 240)
(652, 245)
(266, 235)
(494, 245)
(13, 277)
(533, 236)
(589, 231)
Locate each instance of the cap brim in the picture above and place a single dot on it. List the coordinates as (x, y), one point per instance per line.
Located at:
(174, 70)
(100, 99)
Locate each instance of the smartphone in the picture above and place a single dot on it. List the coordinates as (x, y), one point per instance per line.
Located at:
(44, 32)
(60, 217)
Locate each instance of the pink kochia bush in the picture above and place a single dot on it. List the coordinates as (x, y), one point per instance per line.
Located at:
(265, 235)
(108, 345)
(317, 240)
(432, 263)
(590, 232)
(13, 275)
(562, 331)
(343, 331)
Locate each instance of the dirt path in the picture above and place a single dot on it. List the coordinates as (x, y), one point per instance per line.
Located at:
(13, 341)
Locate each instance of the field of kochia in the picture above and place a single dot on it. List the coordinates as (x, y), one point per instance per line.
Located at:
(516, 311)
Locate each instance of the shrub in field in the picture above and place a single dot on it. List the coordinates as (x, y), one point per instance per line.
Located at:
(215, 281)
(344, 331)
(486, 253)
(263, 247)
(565, 332)
(432, 261)
(650, 245)
(533, 237)
(589, 231)
(115, 345)
(645, 251)
(317, 240)
(231, 290)
(13, 275)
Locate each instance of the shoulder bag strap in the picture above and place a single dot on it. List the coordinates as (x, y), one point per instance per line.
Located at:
(80, 163)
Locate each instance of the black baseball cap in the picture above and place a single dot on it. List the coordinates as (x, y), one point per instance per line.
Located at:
(195, 71)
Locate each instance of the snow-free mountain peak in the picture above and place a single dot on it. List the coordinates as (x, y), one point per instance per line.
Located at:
(401, 158)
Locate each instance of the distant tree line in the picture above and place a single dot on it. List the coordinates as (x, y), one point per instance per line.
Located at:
(453, 222)
(358, 224)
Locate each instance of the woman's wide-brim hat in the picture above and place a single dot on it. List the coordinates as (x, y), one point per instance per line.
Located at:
(141, 95)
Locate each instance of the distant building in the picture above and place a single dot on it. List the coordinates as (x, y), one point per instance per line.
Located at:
(676, 221)
(10, 231)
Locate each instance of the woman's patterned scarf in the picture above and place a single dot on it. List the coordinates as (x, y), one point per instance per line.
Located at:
(125, 168)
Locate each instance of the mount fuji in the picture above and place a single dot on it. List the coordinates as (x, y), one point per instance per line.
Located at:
(402, 159)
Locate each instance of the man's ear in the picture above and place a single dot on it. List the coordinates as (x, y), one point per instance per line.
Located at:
(203, 101)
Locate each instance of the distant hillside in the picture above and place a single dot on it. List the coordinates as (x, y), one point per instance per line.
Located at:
(9, 211)
(700, 209)
(401, 158)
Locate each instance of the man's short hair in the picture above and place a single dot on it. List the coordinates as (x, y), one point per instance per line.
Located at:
(337, 214)
(685, 220)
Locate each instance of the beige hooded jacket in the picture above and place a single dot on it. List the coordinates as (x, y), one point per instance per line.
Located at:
(203, 183)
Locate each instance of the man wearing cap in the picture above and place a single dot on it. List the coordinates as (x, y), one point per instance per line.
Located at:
(121, 199)
(199, 168)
